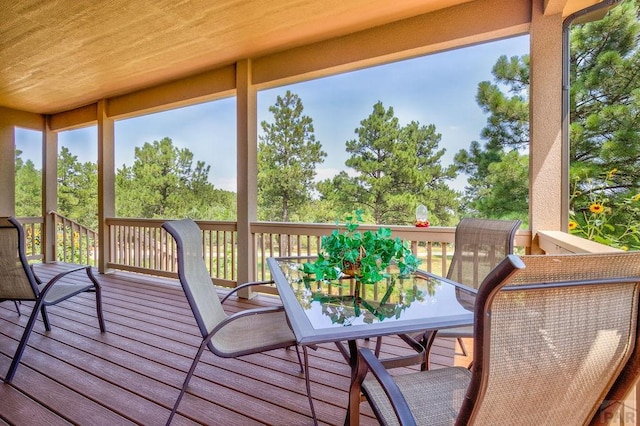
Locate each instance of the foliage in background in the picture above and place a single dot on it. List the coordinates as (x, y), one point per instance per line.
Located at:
(601, 215)
(605, 103)
(28, 188)
(288, 154)
(498, 170)
(77, 189)
(604, 130)
(394, 168)
(164, 182)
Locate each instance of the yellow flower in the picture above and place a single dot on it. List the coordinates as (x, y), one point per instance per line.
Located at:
(625, 248)
(596, 208)
(636, 197)
(572, 225)
(611, 173)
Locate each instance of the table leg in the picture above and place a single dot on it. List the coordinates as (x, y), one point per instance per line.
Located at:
(358, 372)
(307, 382)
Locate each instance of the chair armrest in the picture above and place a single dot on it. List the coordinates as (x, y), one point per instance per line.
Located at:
(391, 389)
(62, 274)
(245, 285)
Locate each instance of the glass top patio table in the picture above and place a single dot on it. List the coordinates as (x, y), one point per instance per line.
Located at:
(327, 311)
(344, 310)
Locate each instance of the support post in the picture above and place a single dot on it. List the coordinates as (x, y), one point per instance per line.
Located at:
(247, 167)
(106, 183)
(49, 190)
(545, 111)
(7, 167)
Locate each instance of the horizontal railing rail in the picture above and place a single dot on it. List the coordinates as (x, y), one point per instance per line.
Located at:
(558, 242)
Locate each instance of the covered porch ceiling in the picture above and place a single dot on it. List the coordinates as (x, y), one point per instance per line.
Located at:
(60, 55)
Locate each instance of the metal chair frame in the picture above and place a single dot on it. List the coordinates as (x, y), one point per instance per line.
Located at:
(29, 287)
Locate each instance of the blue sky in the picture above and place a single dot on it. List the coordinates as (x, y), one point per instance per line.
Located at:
(438, 89)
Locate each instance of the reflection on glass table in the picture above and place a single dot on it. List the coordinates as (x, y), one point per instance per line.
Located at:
(347, 302)
(404, 300)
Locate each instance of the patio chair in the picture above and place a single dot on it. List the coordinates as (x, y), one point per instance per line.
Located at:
(18, 283)
(227, 336)
(480, 244)
(556, 343)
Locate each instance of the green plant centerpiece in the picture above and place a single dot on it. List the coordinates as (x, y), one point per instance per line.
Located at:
(364, 256)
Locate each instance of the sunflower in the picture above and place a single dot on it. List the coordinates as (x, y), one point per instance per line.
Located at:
(596, 208)
(572, 225)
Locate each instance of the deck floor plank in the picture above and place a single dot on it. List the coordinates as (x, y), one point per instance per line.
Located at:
(132, 374)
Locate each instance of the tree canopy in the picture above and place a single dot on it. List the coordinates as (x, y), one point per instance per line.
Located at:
(164, 182)
(498, 186)
(395, 169)
(28, 188)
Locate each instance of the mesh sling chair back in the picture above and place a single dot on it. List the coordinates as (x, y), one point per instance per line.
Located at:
(227, 336)
(480, 244)
(556, 343)
(19, 283)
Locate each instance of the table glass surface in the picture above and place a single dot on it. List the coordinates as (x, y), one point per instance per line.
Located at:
(331, 304)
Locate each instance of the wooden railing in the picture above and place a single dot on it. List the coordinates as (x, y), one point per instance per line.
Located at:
(433, 246)
(141, 245)
(75, 243)
(33, 228)
(558, 242)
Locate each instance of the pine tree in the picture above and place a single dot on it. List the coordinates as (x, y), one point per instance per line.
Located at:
(396, 168)
(287, 157)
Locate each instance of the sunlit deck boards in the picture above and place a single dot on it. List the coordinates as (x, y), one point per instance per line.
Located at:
(133, 373)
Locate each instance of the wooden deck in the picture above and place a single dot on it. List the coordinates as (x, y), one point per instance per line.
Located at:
(132, 374)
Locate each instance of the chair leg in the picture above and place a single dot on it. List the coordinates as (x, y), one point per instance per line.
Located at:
(307, 382)
(378, 346)
(23, 342)
(463, 347)
(194, 363)
(98, 290)
(45, 317)
(17, 303)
